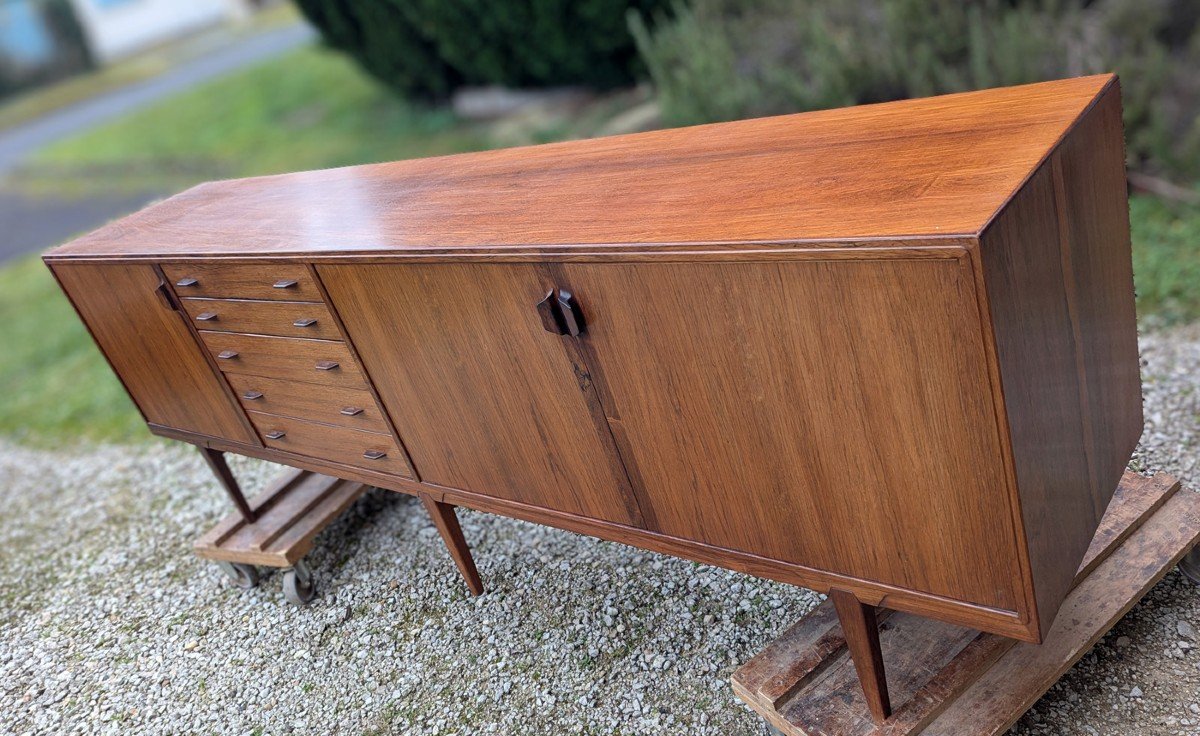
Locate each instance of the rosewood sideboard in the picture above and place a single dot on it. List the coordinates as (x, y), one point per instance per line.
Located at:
(887, 352)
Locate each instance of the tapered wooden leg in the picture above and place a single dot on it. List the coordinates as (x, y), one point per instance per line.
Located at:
(216, 462)
(862, 638)
(446, 521)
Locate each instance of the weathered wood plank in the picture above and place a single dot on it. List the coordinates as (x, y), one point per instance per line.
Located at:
(297, 539)
(1010, 687)
(231, 523)
(803, 682)
(290, 513)
(1137, 497)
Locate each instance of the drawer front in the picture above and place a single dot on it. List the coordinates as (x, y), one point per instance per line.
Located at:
(291, 319)
(291, 359)
(344, 407)
(282, 281)
(366, 450)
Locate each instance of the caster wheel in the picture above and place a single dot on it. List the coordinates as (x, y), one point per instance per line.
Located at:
(298, 585)
(1190, 565)
(241, 575)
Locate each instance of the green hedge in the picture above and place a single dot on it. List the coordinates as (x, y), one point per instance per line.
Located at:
(427, 48)
(726, 59)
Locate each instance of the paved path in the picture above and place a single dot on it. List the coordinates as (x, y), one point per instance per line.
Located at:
(18, 142)
(31, 224)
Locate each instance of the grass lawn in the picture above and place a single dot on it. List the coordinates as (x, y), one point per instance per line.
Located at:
(313, 109)
(1166, 260)
(56, 383)
(308, 109)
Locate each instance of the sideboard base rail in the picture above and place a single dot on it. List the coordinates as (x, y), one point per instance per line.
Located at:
(948, 680)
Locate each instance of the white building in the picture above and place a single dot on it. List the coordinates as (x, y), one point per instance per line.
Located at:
(118, 28)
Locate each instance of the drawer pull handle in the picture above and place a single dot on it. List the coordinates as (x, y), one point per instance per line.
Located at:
(284, 284)
(305, 322)
(374, 454)
(327, 365)
(351, 411)
(252, 395)
(206, 317)
(275, 434)
(227, 354)
(187, 281)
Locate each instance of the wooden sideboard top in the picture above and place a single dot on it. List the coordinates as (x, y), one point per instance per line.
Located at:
(935, 168)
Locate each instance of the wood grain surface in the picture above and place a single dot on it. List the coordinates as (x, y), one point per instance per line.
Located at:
(151, 348)
(746, 392)
(285, 281)
(349, 446)
(1035, 345)
(484, 397)
(289, 358)
(1056, 263)
(1093, 211)
(261, 317)
(326, 404)
(930, 167)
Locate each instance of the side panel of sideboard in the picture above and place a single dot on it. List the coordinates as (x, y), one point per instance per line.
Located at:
(151, 348)
(1092, 199)
(1059, 283)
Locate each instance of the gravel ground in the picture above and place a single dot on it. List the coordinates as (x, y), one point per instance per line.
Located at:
(108, 624)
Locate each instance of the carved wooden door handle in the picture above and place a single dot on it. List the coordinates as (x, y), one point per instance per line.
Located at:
(571, 314)
(560, 313)
(549, 313)
(164, 294)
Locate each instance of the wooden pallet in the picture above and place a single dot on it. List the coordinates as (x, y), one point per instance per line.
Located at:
(947, 679)
(287, 516)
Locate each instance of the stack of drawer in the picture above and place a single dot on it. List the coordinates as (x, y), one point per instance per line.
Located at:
(286, 359)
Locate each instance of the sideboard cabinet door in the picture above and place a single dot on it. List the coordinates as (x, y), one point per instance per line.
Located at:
(835, 414)
(485, 399)
(151, 348)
